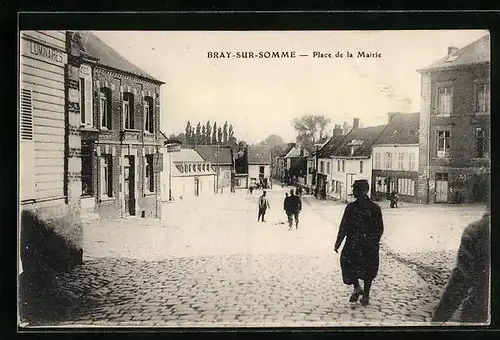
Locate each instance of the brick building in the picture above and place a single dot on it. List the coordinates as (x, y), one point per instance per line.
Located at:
(454, 160)
(120, 136)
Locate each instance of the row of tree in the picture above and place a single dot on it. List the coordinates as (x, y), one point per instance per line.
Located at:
(208, 134)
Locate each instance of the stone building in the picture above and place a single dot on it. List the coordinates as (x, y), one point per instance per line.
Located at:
(454, 160)
(119, 123)
(221, 158)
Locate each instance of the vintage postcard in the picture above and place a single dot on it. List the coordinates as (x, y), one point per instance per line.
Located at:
(254, 178)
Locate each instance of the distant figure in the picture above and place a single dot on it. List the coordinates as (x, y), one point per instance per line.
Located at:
(250, 189)
(469, 282)
(362, 227)
(263, 206)
(394, 198)
(292, 206)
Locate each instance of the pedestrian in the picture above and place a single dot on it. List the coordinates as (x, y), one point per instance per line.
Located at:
(263, 206)
(394, 198)
(250, 189)
(468, 285)
(292, 207)
(362, 227)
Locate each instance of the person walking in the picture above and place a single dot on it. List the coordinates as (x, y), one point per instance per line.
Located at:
(263, 206)
(292, 206)
(469, 281)
(362, 227)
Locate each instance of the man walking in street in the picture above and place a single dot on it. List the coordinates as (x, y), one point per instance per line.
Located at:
(292, 206)
(263, 206)
(362, 227)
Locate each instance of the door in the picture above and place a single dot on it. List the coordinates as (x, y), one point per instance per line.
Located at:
(348, 188)
(441, 187)
(129, 180)
(196, 186)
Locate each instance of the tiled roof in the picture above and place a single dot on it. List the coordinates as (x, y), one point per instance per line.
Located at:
(402, 129)
(367, 136)
(330, 146)
(474, 53)
(209, 153)
(187, 155)
(107, 56)
(258, 154)
(296, 152)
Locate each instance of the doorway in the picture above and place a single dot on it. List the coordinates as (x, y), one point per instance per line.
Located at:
(441, 187)
(129, 185)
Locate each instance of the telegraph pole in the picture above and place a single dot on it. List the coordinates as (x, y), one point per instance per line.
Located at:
(217, 181)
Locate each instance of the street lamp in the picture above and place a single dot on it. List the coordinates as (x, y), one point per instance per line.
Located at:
(173, 145)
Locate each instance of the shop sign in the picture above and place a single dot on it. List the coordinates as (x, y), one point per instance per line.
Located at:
(44, 53)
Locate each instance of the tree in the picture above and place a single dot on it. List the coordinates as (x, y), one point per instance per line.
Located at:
(203, 135)
(188, 132)
(224, 133)
(230, 132)
(219, 135)
(208, 133)
(273, 140)
(197, 138)
(214, 135)
(308, 127)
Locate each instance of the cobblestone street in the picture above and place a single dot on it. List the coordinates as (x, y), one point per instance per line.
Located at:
(210, 263)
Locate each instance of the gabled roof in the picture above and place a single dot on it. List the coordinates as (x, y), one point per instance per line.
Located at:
(363, 138)
(402, 129)
(474, 53)
(287, 149)
(186, 155)
(209, 154)
(297, 151)
(259, 154)
(106, 56)
(330, 146)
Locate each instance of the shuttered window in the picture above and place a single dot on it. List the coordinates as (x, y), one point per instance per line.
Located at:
(86, 95)
(26, 115)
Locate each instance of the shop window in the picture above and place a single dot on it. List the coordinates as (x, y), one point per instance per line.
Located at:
(481, 143)
(106, 176)
(87, 187)
(406, 186)
(380, 184)
(444, 100)
(149, 174)
(443, 143)
(86, 95)
(105, 108)
(377, 160)
(482, 98)
(148, 115)
(128, 110)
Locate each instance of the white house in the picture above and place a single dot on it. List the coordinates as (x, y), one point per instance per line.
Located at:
(259, 164)
(190, 176)
(325, 161)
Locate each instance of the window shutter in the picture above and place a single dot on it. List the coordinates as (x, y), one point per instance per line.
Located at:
(88, 100)
(27, 149)
(26, 115)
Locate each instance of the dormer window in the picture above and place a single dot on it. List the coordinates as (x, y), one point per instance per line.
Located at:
(355, 144)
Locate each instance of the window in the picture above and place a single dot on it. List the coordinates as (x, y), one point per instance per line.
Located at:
(148, 115)
(481, 144)
(26, 147)
(388, 160)
(443, 143)
(377, 160)
(411, 161)
(400, 160)
(406, 186)
(327, 167)
(149, 174)
(343, 166)
(338, 165)
(85, 95)
(360, 167)
(128, 110)
(482, 98)
(106, 176)
(105, 108)
(441, 176)
(380, 184)
(321, 166)
(261, 170)
(444, 100)
(87, 187)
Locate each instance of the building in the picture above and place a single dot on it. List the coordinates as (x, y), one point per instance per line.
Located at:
(120, 136)
(221, 158)
(351, 160)
(280, 169)
(326, 163)
(296, 165)
(259, 164)
(49, 145)
(454, 160)
(192, 176)
(395, 158)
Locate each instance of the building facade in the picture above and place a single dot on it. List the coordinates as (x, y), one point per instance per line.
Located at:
(454, 160)
(222, 160)
(119, 126)
(395, 158)
(259, 164)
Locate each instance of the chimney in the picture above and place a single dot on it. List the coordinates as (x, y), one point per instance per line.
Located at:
(452, 50)
(355, 123)
(390, 116)
(337, 131)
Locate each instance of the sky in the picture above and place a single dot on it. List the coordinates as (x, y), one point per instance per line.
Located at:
(262, 96)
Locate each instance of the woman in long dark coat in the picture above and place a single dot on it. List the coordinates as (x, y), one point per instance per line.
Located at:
(362, 227)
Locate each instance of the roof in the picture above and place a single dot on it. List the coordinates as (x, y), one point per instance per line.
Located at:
(330, 146)
(296, 152)
(287, 149)
(402, 129)
(186, 155)
(107, 56)
(209, 153)
(475, 53)
(363, 138)
(259, 154)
